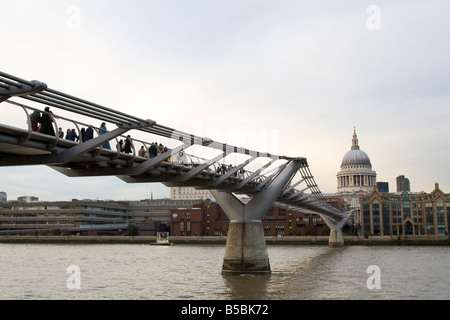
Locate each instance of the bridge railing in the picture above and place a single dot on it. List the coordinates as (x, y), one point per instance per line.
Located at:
(182, 158)
(39, 93)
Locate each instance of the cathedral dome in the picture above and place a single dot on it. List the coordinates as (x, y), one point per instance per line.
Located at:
(356, 174)
(356, 156)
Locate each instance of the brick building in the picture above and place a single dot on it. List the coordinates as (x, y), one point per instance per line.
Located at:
(208, 219)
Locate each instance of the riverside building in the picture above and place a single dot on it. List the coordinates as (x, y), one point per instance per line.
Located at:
(189, 193)
(406, 213)
(87, 217)
(208, 219)
(194, 217)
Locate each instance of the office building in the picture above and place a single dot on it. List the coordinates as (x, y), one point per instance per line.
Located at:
(189, 193)
(208, 219)
(403, 184)
(383, 186)
(406, 213)
(87, 217)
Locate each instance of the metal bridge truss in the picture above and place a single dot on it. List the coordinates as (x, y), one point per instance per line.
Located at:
(175, 167)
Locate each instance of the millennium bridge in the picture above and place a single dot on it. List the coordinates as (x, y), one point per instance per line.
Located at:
(189, 160)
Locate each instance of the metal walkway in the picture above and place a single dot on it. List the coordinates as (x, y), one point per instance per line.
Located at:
(176, 166)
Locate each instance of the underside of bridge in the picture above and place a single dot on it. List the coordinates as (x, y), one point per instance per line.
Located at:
(246, 247)
(272, 181)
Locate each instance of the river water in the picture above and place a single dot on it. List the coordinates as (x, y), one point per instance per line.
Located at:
(193, 272)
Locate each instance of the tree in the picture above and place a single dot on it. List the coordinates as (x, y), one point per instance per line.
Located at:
(325, 230)
(131, 230)
(293, 229)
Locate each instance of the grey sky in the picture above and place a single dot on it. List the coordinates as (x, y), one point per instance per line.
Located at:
(291, 77)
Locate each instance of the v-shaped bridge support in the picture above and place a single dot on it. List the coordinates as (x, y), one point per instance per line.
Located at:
(246, 250)
(336, 237)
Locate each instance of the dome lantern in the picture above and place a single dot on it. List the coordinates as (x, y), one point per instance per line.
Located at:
(356, 156)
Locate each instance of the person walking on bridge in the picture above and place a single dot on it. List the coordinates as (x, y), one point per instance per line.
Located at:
(35, 118)
(128, 145)
(103, 130)
(47, 123)
(153, 151)
(89, 134)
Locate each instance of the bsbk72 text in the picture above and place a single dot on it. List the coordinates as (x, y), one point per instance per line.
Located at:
(235, 309)
(243, 309)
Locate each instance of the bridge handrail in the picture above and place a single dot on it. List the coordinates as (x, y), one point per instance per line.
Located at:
(11, 86)
(193, 159)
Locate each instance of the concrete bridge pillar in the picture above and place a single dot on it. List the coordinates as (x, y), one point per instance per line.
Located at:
(336, 239)
(246, 250)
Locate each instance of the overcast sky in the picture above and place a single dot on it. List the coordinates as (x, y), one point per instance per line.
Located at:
(288, 77)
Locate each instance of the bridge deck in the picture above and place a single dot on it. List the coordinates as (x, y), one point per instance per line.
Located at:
(100, 161)
(20, 146)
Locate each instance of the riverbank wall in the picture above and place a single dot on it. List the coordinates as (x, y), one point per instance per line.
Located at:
(307, 240)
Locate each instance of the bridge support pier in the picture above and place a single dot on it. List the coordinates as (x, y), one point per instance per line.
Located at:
(336, 238)
(246, 250)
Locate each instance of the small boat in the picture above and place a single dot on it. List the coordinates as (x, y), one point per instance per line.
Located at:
(162, 239)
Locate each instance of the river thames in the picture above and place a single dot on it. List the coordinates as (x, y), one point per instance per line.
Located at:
(193, 272)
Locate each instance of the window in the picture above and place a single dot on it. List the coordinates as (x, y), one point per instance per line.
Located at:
(366, 218)
(386, 222)
(376, 218)
(429, 217)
